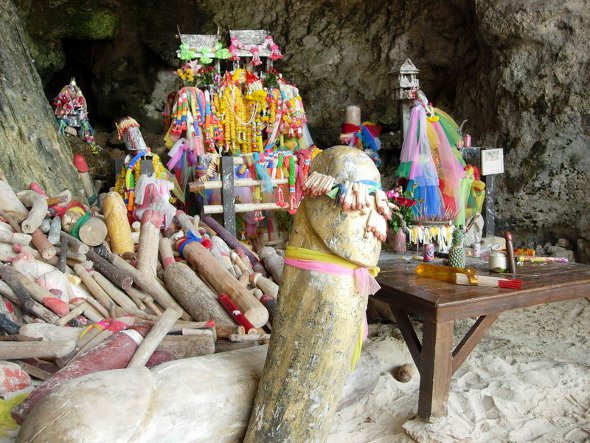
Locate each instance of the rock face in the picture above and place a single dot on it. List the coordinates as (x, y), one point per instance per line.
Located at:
(534, 102)
(30, 147)
(516, 72)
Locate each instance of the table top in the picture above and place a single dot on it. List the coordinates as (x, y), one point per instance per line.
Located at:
(437, 300)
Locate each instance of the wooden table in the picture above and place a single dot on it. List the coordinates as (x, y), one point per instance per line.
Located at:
(438, 304)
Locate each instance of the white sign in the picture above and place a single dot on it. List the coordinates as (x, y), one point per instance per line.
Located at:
(492, 161)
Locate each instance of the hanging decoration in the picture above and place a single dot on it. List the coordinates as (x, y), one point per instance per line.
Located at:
(363, 135)
(71, 111)
(433, 166)
(251, 114)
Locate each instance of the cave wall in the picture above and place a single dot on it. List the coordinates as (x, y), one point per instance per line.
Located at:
(31, 149)
(517, 71)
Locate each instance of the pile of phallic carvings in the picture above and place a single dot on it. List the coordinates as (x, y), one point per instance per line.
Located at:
(82, 290)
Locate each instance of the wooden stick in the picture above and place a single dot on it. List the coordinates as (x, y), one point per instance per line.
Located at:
(137, 299)
(223, 282)
(82, 167)
(237, 338)
(154, 337)
(7, 325)
(38, 205)
(60, 199)
(238, 183)
(54, 230)
(119, 297)
(187, 346)
(115, 274)
(63, 255)
(238, 261)
(98, 307)
(21, 287)
(267, 286)
(187, 224)
(149, 235)
(40, 242)
(92, 314)
(273, 262)
(37, 349)
(233, 242)
(33, 371)
(143, 300)
(225, 331)
(95, 289)
(150, 285)
(189, 290)
(75, 244)
(73, 314)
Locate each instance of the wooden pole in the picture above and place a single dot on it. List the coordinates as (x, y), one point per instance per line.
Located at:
(95, 289)
(223, 282)
(187, 346)
(189, 290)
(234, 243)
(22, 286)
(267, 286)
(154, 337)
(238, 183)
(115, 274)
(151, 286)
(147, 251)
(75, 244)
(119, 297)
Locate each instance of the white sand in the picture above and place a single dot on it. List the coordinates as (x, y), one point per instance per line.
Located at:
(527, 380)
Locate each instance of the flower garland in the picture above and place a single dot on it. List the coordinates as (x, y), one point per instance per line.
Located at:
(255, 50)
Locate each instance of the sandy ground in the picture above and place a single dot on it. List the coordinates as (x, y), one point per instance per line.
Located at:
(527, 380)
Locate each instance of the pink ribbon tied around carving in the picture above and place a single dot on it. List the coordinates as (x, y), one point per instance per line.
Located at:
(331, 264)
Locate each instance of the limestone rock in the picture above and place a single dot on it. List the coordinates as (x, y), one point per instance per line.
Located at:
(31, 148)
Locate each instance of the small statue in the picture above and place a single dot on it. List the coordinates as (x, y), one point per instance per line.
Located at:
(457, 253)
(71, 112)
(142, 189)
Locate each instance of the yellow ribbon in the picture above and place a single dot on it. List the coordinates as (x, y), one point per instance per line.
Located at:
(309, 254)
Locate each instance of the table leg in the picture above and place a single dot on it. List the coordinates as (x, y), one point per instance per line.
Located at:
(436, 368)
